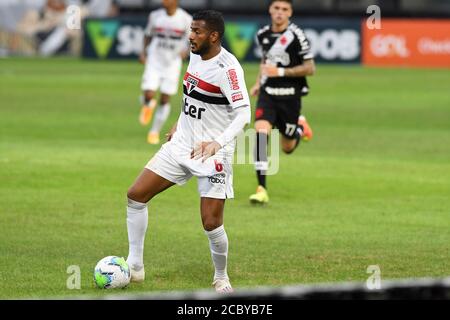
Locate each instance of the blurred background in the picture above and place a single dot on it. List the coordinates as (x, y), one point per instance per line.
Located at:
(114, 28)
(371, 189)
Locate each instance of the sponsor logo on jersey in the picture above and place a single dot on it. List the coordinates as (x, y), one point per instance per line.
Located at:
(192, 111)
(280, 91)
(191, 83)
(233, 79)
(237, 96)
(218, 178)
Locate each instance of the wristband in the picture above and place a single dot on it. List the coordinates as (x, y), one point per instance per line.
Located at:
(281, 72)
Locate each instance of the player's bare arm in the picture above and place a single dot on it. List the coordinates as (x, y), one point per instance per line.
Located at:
(143, 55)
(254, 91)
(307, 68)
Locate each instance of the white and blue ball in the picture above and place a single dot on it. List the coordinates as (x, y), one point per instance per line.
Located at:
(112, 272)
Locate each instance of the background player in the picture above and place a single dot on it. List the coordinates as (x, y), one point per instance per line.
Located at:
(280, 84)
(216, 108)
(165, 45)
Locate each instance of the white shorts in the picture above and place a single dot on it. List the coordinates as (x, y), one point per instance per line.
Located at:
(166, 80)
(214, 176)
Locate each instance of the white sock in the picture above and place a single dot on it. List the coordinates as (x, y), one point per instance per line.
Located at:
(137, 220)
(218, 243)
(161, 115)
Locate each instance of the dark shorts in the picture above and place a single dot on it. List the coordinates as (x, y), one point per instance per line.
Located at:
(281, 113)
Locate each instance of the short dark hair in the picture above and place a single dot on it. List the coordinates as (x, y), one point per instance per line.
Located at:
(288, 1)
(213, 19)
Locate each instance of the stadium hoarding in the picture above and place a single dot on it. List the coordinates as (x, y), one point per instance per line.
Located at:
(332, 40)
(112, 38)
(408, 43)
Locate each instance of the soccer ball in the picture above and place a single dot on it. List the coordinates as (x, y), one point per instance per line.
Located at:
(112, 272)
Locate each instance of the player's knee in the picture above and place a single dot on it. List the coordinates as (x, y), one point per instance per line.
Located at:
(136, 195)
(262, 128)
(148, 95)
(211, 224)
(288, 148)
(136, 204)
(263, 125)
(165, 99)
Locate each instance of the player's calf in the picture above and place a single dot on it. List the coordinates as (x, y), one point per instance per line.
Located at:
(289, 145)
(307, 132)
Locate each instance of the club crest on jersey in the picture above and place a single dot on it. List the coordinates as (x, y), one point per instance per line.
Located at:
(191, 83)
(233, 79)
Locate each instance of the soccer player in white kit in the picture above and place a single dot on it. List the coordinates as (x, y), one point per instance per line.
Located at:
(215, 109)
(165, 45)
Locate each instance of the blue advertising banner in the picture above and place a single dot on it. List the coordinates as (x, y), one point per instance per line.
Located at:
(332, 40)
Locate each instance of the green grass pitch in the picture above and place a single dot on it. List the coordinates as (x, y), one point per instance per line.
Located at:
(371, 188)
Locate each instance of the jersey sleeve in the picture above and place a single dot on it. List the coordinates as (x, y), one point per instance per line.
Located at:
(188, 24)
(149, 27)
(233, 87)
(187, 32)
(258, 46)
(305, 47)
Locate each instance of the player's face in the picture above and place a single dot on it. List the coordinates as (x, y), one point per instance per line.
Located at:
(169, 3)
(200, 37)
(280, 11)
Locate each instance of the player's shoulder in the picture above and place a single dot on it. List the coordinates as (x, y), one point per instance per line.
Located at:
(297, 31)
(263, 30)
(156, 13)
(227, 60)
(184, 13)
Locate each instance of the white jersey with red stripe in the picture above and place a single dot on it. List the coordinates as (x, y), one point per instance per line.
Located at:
(213, 89)
(170, 36)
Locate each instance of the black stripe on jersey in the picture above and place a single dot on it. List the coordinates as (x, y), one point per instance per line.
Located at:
(204, 98)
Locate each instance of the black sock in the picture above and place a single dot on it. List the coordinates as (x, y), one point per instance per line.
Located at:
(261, 158)
(298, 136)
(261, 178)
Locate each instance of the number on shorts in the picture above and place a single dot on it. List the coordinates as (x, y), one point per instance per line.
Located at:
(290, 129)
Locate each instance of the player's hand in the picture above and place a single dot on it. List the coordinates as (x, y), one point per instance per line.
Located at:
(269, 70)
(142, 58)
(205, 150)
(254, 91)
